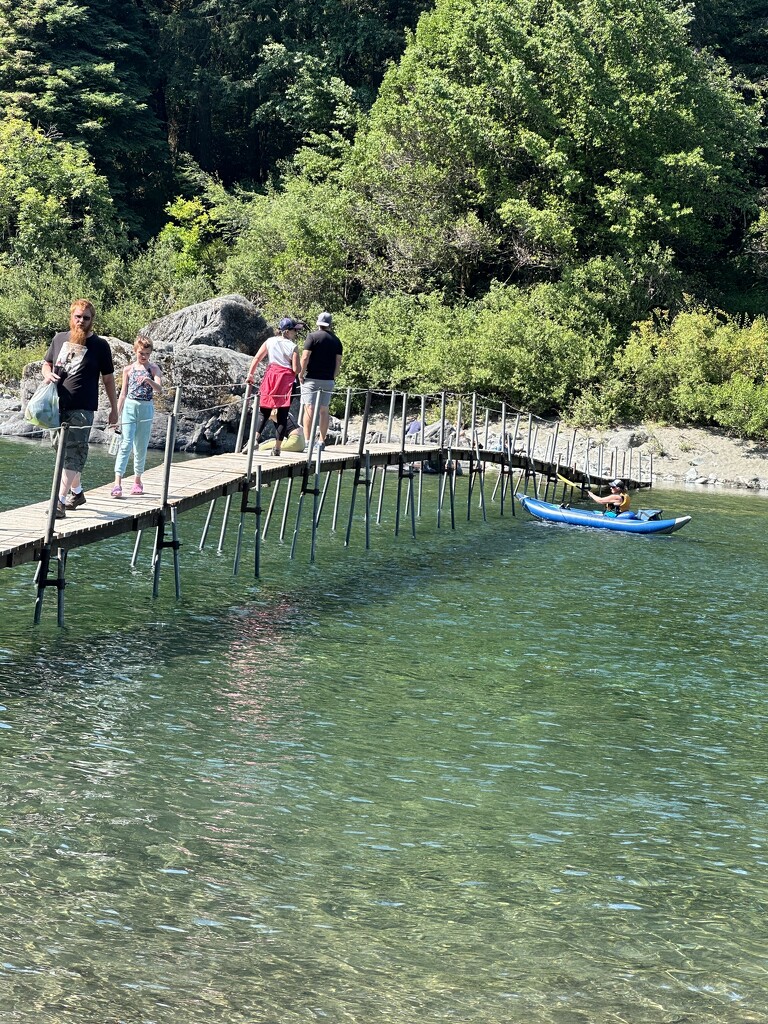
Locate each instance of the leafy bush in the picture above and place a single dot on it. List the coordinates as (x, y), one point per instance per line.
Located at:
(701, 367)
(13, 360)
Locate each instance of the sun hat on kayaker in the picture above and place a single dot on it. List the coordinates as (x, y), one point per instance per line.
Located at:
(616, 483)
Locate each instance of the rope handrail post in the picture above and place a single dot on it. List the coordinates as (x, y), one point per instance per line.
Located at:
(323, 496)
(572, 450)
(531, 459)
(471, 476)
(347, 411)
(586, 468)
(313, 431)
(474, 415)
(440, 485)
(245, 493)
(257, 527)
(337, 500)
(515, 430)
(50, 528)
(390, 420)
(404, 417)
(270, 510)
(481, 479)
(554, 461)
(423, 413)
(315, 509)
(228, 500)
(509, 482)
(170, 444)
(344, 439)
(548, 460)
(452, 488)
(458, 425)
(368, 487)
(487, 427)
(160, 542)
(299, 505)
(400, 475)
(412, 498)
(391, 417)
(364, 424)
(442, 421)
(284, 520)
(355, 485)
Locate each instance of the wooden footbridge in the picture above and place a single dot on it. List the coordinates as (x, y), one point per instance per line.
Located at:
(33, 534)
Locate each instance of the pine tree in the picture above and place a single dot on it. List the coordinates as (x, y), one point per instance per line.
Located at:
(81, 70)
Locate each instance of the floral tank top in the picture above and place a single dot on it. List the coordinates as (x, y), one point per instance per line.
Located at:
(138, 387)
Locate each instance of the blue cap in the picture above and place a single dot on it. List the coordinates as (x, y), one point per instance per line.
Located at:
(287, 324)
(615, 483)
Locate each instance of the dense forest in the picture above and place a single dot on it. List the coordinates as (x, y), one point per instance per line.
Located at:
(563, 203)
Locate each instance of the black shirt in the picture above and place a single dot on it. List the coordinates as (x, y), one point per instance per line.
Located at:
(323, 347)
(80, 367)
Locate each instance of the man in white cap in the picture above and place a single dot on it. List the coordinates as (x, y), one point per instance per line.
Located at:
(320, 365)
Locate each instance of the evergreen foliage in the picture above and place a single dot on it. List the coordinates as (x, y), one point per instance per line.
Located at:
(558, 202)
(82, 71)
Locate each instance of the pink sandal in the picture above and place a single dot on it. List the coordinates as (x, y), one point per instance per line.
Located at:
(117, 491)
(137, 489)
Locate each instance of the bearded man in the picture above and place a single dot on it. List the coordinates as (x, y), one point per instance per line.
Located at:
(75, 360)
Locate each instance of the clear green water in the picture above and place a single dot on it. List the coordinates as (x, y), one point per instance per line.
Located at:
(512, 774)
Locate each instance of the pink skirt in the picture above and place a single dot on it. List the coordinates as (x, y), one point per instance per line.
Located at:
(276, 387)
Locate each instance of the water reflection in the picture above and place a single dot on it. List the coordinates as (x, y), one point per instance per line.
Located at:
(448, 781)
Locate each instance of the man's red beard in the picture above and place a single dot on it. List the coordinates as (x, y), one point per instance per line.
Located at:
(77, 334)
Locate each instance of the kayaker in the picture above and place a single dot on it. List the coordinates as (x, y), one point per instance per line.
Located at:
(616, 502)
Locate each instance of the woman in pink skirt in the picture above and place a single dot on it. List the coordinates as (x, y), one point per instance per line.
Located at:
(277, 384)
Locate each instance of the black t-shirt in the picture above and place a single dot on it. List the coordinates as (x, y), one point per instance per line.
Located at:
(80, 367)
(323, 347)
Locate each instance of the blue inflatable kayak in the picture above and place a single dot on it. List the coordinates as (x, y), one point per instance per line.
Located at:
(643, 521)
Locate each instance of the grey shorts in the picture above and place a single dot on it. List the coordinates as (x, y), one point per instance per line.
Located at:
(76, 451)
(319, 391)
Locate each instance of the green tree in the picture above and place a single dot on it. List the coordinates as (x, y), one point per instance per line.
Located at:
(52, 199)
(82, 70)
(244, 82)
(515, 137)
(701, 367)
(738, 31)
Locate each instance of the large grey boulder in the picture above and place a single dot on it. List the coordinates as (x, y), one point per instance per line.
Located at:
(212, 382)
(228, 322)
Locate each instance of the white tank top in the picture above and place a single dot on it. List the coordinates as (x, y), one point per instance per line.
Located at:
(280, 350)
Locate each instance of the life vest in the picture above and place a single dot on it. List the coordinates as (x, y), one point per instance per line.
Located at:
(619, 507)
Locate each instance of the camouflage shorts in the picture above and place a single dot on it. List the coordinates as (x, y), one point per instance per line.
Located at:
(76, 451)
